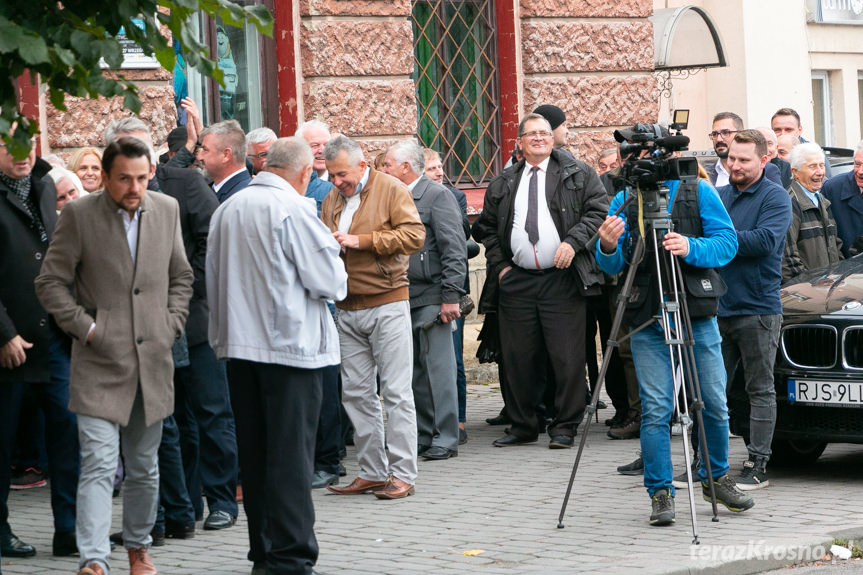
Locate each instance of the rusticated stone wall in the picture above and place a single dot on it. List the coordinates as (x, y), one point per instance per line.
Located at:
(84, 121)
(593, 59)
(357, 57)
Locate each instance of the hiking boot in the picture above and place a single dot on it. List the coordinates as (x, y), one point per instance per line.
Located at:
(630, 429)
(662, 508)
(634, 468)
(753, 476)
(728, 494)
(679, 480)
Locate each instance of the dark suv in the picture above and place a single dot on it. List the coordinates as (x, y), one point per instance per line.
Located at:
(819, 366)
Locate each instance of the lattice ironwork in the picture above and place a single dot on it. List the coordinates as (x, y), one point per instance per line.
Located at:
(455, 70)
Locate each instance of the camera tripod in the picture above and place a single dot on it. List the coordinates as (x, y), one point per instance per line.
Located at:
(676, 324)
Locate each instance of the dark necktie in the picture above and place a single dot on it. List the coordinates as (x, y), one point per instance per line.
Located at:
(531, 224)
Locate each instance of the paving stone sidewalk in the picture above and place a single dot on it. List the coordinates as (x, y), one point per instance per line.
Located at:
(502, 505)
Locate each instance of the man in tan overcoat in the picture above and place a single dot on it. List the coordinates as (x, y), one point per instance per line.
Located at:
(116, 279)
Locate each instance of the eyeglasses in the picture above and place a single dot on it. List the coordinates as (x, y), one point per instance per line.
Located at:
(262, 155)
(536, 134)
(724, 133)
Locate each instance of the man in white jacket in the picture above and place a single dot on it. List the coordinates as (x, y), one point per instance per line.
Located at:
(271, 267)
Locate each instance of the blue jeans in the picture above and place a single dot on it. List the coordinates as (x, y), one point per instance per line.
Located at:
(61, 437)
(652, 365)
(460, 378)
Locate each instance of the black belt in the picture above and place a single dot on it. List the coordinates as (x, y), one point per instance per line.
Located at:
(542, 272)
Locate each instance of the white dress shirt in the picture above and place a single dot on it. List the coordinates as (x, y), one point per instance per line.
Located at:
(525, 254)
(352, 204)
(721, 175)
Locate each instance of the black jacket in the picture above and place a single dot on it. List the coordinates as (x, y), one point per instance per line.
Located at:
(578, 204)
(197, 204)
(21, 258)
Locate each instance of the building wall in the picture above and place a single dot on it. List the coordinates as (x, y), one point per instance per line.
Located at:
(354, 60)
(772, 49)
(594, 60)
(357, 57)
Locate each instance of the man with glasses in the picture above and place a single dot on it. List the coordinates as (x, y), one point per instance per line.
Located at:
(725, 125)
(537, 218)
(258, 144)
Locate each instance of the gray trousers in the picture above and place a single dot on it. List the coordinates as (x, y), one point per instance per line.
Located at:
(753, 340)
(100, 443)
(435, 391)
(380, 337)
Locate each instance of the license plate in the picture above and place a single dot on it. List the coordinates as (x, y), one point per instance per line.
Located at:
(840, 393)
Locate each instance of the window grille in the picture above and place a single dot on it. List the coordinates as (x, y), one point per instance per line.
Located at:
(458, 103)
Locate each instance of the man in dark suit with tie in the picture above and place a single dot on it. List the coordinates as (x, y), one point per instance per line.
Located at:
(223, 157)
(537, 219)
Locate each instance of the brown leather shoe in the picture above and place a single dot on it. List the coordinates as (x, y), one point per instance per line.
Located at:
(140, 562)
(91, 569)
(395, 489)
(357, 487)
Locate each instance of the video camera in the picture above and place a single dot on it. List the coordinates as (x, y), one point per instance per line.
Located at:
(648, 151)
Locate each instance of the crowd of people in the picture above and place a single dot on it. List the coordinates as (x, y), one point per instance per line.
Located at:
(217, 323)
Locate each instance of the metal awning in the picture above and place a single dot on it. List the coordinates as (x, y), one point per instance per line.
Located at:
(686, 38)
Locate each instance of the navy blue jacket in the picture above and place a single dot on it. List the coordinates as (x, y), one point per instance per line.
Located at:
(234, 185)
(761, 215)
(771, 170)
(847, 205)
(318, 189)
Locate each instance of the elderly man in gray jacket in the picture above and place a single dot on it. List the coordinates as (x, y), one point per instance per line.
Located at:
(271, 267)
(436, 275)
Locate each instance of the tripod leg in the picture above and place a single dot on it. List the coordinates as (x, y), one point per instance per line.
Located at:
(606, 357)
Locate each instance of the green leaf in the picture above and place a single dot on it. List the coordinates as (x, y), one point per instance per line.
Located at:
(132, 102)
(165, 56)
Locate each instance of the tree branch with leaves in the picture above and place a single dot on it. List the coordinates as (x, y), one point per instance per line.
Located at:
(65, 43)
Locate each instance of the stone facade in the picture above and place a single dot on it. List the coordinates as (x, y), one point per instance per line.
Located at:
(356, 72)
(593, 58)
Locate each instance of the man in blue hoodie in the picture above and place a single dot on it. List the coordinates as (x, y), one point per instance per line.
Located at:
(750, 314)
(704, 239)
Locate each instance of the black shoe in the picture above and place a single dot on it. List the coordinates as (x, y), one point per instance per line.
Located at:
(64, 544)
(219, 520)
(679, 480)
(422, 449)
(178, 530)
(510, 439)
(27, 478)
(634, 468)
(342, 471)
(499, 420)
(11, 546)
(436, 453)
(322, 478)
(462, 436)
(601, 405)
(158, 539)
(561, 442)
(753, 476)
(662, 508)
(116, 538)
(617, 420)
